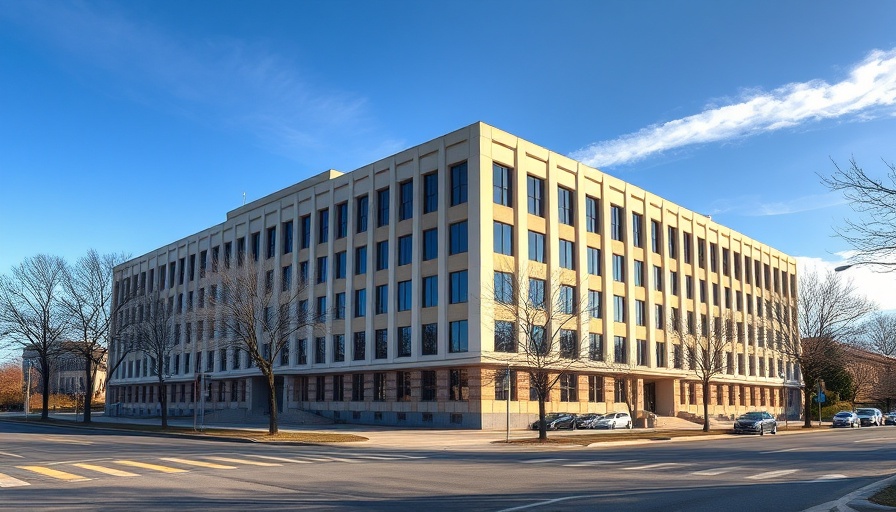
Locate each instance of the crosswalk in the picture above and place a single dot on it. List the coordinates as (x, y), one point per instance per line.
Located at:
(687, 469)
(19, 475)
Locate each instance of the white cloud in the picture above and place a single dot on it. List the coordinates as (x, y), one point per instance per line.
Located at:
(752, 206)
(877, 286)
(868, 92)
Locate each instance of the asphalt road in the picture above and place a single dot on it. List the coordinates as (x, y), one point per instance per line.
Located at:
(58, 468)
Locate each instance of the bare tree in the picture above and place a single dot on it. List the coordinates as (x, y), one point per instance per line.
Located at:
(873, 232)
(153, 335)
(879, 334)
(829, 310)
(539, 318)
(259, 316)
(705, 346)
(88, 303)
(31, 314)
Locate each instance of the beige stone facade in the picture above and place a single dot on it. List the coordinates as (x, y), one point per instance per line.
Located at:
(429, 346)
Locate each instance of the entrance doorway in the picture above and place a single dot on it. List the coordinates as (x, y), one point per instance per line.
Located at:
(650, 396)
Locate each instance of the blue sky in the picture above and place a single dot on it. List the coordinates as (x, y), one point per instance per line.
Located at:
(125, 126)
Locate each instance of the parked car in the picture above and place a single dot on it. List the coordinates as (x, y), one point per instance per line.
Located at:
(614, 420)
(890, 418)
(869, 416)
(845, 419)
(587, 420)
(557, 420)
(756, 422)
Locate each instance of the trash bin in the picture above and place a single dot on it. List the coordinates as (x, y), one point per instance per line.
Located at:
(651, 420)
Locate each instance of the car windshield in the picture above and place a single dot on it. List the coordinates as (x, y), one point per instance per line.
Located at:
(751, 416)
(843, 415)
(869, 412)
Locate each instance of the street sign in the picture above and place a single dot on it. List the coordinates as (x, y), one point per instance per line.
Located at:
(821, 398)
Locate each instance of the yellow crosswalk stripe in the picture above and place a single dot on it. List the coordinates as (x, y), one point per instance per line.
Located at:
(54, 473)
(8, 481)
(105, 470)
(243, 461)
(199, 463)
(146, 465)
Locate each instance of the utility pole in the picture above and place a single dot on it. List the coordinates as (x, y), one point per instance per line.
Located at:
(507, 395)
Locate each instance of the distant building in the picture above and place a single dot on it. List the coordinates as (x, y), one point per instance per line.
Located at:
(874, 376)
(405, 251)
(66, 372)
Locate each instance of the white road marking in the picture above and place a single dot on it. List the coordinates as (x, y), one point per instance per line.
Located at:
(8, 481)
(825, 478)
(772, 474)
(243, 461)
(715, 471)
(11, 455)
(281, 459)
(658, 465)
(595, 463)
(540, 461)
(105, 470)
(780, 451)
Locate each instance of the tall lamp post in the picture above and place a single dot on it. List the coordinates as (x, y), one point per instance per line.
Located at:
(784, 396)
(507, 396)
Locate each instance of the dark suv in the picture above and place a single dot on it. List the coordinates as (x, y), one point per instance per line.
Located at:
(758, 422)
(557, 420)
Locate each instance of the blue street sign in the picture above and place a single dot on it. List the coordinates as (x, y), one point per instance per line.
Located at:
(821, 398)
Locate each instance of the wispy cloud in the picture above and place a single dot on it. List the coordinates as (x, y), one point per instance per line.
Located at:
(868, 92)
(753, 206)
(243, 86)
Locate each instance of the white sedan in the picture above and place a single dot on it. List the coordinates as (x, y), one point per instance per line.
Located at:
(614, 420)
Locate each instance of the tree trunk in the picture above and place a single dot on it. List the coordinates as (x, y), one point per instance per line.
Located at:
(88, 389)
(542, 428)
(706, 406)
(163, 402)
(807, 407)
(272, 403)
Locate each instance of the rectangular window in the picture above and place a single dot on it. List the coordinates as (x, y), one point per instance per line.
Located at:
(430, 340)
(339, 263)
(286, 278)
(619, 268)
(567, 254)
(639, 273)
(287, 237)
(322, 308)
(655, 233)
(361, 303)
(302, 351)
(404, 342)
(459, 387)
(595, 388)
(594, 303)
(503, 234)
(504, 287)
(642, 352)
(458, 183)
(382, 299)
(338, 388)
(618, 308)
(382, 255)
(701, 252)
(505, 380)
(536, 292)
(323, 226)
(726, 256)
(457, 234)
(458, 287)
(569, 387)
(338, 347)
(381, 344)
(660, 354)
(457, 336)
(402, 386)
(536, 247)
(320, 350)
(713, 257)
(658, 278)
(567, 299)
(673, 244)
(341, 220)
(382, 207)
(359, 349)
(379, 387)
(405, 250)
(322, 269)
(360, 260)
(617, 223)
(569, 344)
(404, 296)
(596, 347)
(620, 351)
(658, 316)
(591, 215)
(640, 313)
(430, 244)
(565, 206)
(593, 256)
(502, 187)
(362, 207)
(430, 291)
(430, 192)
(536, 195)
(637, 230)
(406, 200)
(427, 385)
(505, 336)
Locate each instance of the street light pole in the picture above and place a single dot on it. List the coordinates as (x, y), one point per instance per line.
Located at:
(784, 396)
(507, 396)
(28, 392)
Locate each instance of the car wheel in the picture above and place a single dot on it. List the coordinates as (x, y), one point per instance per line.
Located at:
(613, 426)
(774, 430)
